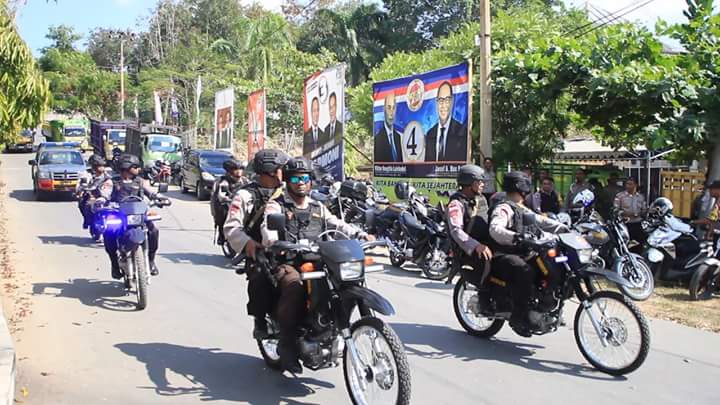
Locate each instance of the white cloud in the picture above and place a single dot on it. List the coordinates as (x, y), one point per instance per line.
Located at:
(668, 10)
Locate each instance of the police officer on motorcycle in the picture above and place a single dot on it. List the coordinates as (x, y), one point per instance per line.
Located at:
(222, 194)
(306, 219)
(96, 176)
(242, 229)
(129, 183)
(509, 264)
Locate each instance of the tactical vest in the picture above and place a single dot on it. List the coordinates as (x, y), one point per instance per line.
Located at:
(474, 224)
(123, 189)
(254, 218)
(517, 227)
(302, 223)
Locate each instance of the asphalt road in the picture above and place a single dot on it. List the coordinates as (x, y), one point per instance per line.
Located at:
(85, 343)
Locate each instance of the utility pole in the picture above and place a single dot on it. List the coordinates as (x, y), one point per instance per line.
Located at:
(485, 90)
(122, 78)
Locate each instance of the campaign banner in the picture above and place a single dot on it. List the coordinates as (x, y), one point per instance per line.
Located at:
(324, 106)
(224, 118)
(257, 123)
(421, 127)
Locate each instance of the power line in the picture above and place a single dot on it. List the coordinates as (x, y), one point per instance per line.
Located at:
(614, 19)
(591, 23)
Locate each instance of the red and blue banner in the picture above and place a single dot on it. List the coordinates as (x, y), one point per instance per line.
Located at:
(421, 127)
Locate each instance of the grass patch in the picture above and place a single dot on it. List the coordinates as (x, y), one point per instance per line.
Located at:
(673, 304)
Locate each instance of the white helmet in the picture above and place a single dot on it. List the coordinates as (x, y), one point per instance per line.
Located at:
(583, 199)
(661, 206)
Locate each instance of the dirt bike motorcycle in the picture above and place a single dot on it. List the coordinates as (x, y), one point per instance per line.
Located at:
(416, 231)
(706, 281)
(127, 220)
(375, 367)
(611, 240)
(353, 201)
(88, 190)
(610, 331)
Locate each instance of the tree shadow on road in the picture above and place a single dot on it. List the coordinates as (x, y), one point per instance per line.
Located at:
(198, 259)
(82, 241)
(448, 342)
(95, 293)
(216, 375)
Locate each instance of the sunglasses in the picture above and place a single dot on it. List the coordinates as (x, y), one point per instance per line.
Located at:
(305, 178)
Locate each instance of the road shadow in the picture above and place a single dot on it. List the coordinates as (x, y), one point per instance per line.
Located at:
(445, 342)
(23, 195)
(198, 259)
(105, 294)
(82, 241)
(435, 285)
(213, 375)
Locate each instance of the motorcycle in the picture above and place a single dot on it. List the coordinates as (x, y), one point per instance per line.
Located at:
(672, 249)
(416, 231)
(127, 220)
(160, 172)
(353, 201)
(375, 366)
(706, 280)
(87, 191)
(610, 331)
(611, 240)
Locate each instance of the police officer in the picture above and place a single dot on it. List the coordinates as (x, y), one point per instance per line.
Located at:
(467, 214)
(633, 207)
(506, 225)
(223, 191)
(97, 180)
(242, 229)
(127, 184)
(305, 219)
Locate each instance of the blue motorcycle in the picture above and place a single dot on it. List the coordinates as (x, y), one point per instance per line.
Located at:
(127, 222)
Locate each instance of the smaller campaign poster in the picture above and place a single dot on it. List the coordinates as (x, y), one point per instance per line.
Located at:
(256, 123)
(421, 129)
(224, 118)
(324, 106)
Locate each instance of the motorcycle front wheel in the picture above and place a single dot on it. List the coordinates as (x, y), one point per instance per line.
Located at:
(141, 287)
(437, 266)
(269, 347)
(464, 298)
(705, 281)
(640, 276)
(384, 373)
(611, 333)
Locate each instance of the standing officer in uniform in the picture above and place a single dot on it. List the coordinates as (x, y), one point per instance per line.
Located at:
(305, 219)
(633, 207)
(242, 229)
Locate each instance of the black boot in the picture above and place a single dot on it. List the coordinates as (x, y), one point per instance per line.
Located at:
(520, 324)
(154, 271)
(260, 331)
(289, 356)
(116, 273)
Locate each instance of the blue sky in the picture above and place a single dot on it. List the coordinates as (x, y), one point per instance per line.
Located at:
(37, 15)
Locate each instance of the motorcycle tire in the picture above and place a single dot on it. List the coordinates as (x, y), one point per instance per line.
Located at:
(703, 282)
(269, 350)
(474, 330)
(437, 274)
(401, 374)
(616, 331)
(646, 275)
(138, 259)
(396, 260)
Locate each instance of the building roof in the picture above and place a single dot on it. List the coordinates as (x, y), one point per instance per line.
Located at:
(590, 149)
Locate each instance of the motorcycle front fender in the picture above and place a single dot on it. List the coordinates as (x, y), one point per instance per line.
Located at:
(610, 275)
(134, 237)
(654, 255)
(369, 297)
(711, 261)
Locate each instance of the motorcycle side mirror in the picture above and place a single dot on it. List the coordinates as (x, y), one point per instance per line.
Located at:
(275, 222)
(32, 162)
(162, 187)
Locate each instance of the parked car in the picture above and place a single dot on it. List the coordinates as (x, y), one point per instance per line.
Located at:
(56, 169)
(200, 170)
(24, 142)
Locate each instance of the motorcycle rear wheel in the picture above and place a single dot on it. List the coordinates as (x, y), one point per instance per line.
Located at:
(609, 307)
(643, 276)
(472, 323)
(704, 282)
(138, 258)
(384, 363)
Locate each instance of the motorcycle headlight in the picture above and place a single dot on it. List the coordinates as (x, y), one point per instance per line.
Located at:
(351, 271)
(585, 256)
(207, 176)
(134, 219)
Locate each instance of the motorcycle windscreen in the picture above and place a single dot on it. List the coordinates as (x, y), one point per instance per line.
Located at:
(133, 208)
(340, 251)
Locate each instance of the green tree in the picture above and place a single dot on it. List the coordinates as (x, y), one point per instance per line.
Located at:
(23, 91)
(63, 37)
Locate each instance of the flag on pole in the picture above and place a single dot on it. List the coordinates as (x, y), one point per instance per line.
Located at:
(158, 108)
(198, 90)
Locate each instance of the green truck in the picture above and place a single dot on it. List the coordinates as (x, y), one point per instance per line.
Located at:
(69, 130)
(153, 142)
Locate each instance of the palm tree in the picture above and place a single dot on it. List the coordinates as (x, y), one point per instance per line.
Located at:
(262, 38)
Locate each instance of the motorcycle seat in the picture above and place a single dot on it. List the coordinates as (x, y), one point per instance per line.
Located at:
(411, 222)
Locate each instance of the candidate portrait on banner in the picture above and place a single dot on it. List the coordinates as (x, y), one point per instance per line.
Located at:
(334, 129)
(388, 141)
(447, 140)
(316, 135)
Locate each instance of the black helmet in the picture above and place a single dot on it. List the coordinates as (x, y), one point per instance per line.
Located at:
(402, 190)
(298, 165)
(517, 182)
(127, 161)
(468, 174)
(267, 161)
(231, 165)
(96, 160)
